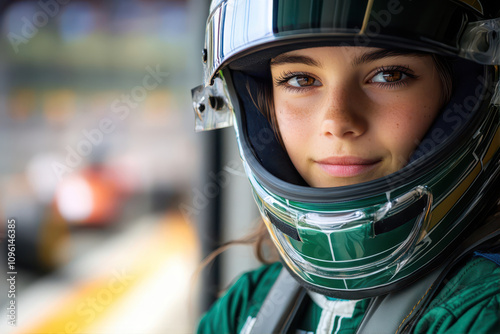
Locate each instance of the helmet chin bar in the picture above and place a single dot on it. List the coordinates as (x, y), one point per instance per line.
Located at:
(345, 253)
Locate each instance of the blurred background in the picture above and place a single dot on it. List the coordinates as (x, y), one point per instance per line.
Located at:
(115, 199)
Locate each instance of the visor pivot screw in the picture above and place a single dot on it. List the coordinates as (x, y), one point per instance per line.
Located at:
(201, 107)
(204, 55)
(216, 102)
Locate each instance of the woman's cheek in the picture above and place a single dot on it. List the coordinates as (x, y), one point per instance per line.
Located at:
(408, 132)
(294, 118)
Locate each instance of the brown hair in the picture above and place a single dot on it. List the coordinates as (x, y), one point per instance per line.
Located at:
(263, 248)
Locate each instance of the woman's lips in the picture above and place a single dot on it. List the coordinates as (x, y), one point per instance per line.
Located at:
(347, 166)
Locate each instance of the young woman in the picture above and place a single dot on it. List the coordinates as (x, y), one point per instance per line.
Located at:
(369, 131)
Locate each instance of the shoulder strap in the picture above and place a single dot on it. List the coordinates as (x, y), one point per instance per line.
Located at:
(280, 305)
(485, 238)
(385, 312)
(398, 312)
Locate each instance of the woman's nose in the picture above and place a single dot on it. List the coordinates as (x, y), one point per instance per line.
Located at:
(343, 116)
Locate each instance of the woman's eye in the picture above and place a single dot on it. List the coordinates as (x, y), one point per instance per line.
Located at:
(389, 76)
(303, 81)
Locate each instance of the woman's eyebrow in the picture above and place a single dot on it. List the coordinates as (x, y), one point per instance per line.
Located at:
(384, 53)
(294, 59)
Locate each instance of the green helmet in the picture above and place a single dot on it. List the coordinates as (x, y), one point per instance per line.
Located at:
(366, 239)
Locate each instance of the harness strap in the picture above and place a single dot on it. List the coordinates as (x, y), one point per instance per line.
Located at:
(280, 306)
(398, 312)
(485, 238)
(385, 312)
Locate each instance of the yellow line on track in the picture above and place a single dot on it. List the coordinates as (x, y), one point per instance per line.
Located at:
(93, 300)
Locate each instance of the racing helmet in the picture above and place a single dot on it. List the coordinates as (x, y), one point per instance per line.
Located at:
(366, 239)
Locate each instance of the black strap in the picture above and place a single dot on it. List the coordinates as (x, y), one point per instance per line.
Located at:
(282, 226)
(280, 306)
(399, 219)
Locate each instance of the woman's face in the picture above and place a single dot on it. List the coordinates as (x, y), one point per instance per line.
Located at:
(353, 114)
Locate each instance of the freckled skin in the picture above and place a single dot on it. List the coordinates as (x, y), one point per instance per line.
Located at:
(348, 115)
